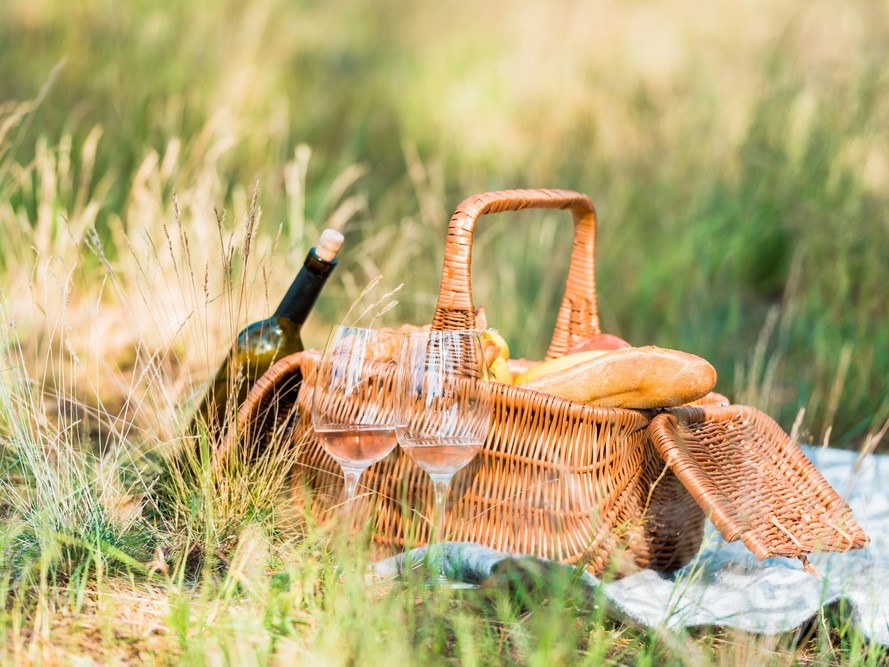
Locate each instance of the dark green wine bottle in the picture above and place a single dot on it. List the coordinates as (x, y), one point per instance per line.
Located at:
(262, 343)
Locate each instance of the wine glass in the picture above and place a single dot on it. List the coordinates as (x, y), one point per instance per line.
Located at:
(353, 403)
(443, 412)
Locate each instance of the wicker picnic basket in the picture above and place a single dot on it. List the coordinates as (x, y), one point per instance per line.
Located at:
(608, 488)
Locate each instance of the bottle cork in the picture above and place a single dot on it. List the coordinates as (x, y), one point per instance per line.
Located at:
(329, 245)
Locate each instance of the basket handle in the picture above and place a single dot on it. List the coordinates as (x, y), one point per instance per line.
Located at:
(578, 315)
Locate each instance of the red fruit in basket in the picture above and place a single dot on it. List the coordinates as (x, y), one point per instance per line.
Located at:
(600, 341)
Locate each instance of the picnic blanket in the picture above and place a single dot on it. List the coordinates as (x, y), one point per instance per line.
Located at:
(726, 586)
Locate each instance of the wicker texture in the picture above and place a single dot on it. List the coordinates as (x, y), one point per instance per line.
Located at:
(605, 487)
(578, 315)
(753, 482)
(575, 492)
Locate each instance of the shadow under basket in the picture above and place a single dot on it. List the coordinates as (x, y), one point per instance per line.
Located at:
(607, 488)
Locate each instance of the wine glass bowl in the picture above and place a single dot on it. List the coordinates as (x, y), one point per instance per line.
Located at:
(443, 410)
(443, 421)
(353, 412)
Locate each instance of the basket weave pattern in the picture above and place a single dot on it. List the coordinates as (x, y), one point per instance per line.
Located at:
(754, 483)
(576, 492)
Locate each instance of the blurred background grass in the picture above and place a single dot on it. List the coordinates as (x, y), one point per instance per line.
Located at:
(738, 156)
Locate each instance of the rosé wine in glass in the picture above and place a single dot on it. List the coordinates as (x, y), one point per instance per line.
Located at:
(353, 412)
(443, 413)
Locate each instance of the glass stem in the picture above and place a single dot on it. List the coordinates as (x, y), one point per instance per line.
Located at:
(441, 483)
(351, 475)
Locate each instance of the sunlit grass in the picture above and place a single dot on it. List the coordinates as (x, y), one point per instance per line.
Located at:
(162, 176)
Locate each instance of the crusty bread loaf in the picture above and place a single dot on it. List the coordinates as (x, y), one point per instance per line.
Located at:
(632, 377)
(556, 364)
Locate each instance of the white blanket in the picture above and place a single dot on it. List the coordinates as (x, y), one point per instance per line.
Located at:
(726, 586)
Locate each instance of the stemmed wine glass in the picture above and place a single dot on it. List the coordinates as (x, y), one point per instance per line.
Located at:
(352, 407)
(443, 411)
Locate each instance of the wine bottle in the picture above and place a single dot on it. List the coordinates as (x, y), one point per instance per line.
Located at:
(262, 343)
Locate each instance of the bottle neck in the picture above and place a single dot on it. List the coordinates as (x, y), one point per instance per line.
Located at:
(304, 290)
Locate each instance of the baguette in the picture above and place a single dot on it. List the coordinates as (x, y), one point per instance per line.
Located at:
(632, 377)
(558, 364)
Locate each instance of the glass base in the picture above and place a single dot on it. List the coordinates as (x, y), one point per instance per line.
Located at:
(450, 584)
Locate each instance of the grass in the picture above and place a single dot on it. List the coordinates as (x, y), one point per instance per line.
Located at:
(161, 175)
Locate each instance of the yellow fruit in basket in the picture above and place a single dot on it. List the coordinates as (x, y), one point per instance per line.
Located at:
(494, 335)
(557, 364)
(519, 366)
(499, 371)
(490, 352)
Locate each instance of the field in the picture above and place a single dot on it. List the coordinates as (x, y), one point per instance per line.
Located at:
(164, 166)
